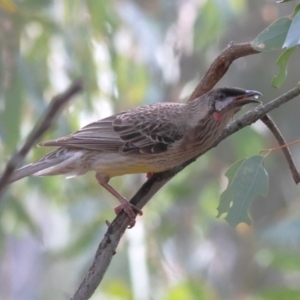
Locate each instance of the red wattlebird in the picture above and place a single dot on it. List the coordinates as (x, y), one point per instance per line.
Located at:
(146, 139)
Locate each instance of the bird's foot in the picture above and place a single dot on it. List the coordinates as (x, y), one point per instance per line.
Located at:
(129, 210)
(149, 175)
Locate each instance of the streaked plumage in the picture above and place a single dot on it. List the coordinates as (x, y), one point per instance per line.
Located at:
(146, 139)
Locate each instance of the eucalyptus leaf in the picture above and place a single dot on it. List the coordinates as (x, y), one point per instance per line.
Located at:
(273, 37)
(282, 63)
(224, 204)
(297, 8)
(247, 179)
(293, 35)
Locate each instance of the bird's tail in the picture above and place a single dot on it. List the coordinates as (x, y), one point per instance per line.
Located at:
(39, 167)
(28, 170)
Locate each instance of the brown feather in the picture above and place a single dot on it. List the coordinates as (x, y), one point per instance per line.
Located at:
(147, 129)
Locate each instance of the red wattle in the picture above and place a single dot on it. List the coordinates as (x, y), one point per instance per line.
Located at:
(217, 116)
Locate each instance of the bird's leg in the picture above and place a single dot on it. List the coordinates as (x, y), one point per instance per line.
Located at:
(125, 205)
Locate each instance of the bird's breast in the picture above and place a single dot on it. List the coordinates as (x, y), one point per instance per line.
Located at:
(194, 142)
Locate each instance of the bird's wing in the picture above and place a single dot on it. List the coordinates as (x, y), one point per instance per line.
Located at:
(146, 129)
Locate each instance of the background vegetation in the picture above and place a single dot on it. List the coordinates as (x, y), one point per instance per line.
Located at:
(129, 53)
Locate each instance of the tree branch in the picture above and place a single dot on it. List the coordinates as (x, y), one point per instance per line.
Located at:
(286, 151)
(55, 107)
(115, 231)
(220, 66)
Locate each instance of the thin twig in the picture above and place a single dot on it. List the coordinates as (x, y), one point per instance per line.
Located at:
(117, 228)
(55, 106)
(286, 151)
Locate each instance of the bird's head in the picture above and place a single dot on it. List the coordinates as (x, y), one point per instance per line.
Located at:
(225, 102)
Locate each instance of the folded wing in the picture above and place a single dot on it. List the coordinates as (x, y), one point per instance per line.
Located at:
(146, 129)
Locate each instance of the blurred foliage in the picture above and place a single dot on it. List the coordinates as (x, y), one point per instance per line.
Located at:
(129, 53)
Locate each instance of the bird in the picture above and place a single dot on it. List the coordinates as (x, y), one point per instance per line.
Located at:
(147, 139)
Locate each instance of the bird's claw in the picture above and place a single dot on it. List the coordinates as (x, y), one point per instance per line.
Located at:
(149, 175)
(129, 210)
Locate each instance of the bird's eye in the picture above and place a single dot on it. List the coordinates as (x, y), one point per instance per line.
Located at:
(221, 97)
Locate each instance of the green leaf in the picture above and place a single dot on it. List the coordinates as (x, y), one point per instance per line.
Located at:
(297, 8)
(224, 204)
(293, 35)
(282, 63)
(273, 37)
(247, 179)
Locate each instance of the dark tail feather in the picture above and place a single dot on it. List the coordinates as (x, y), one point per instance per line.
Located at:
(59, 161)
(33, 168)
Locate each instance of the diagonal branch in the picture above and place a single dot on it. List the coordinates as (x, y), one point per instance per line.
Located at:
(108, 245)
(54, 108)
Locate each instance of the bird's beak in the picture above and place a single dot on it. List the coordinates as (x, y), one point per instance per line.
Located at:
(246, 98)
